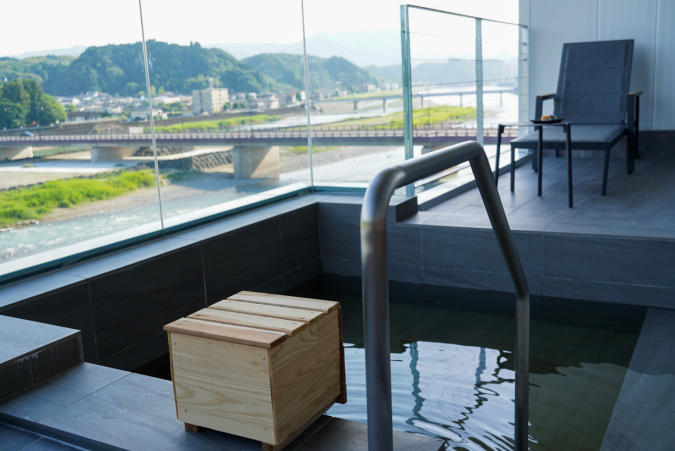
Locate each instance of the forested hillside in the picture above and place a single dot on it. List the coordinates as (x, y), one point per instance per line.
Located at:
(331, 72)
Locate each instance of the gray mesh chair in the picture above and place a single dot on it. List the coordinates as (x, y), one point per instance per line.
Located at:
(593, 96)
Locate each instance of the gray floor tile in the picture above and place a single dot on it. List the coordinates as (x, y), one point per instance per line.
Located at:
(341, 267)
(35, 287)
(477, 280)
(126, 258)
(477, 250)
(69, 307)
(136, 413)
(611, 227)
(45, 399)
(609, 259)
(660, 324)
(19, 337)
(13, 439)
(418, 218)
(47, 445)
(339, 230)
(618, 293)
(133, 304)
(654, 391)
(634, 428)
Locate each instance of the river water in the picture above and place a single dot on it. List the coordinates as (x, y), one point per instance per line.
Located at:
(208, 191)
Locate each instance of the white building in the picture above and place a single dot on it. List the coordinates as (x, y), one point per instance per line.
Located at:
(167, 99)
(209, 100)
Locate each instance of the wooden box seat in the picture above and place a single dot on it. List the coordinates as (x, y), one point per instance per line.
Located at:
(257, 365)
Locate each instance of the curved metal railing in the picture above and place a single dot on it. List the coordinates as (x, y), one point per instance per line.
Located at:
(376, 291)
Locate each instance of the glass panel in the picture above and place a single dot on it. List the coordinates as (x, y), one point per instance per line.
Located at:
(444, 84)
(443, 59)
(227, 88)
(67, 179)
(505, 81)
(354, 50)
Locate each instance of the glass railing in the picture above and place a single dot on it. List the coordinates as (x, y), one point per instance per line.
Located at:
(67, 184)
(465, 75)
(96, 153)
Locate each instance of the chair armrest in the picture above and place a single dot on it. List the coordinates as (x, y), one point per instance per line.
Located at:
(539, 106)
(635, 94)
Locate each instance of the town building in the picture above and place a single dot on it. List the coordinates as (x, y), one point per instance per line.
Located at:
(209, 100)
(270, 101)
(142, 113)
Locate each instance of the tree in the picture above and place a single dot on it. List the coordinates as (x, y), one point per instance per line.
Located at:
(71, 108)
(23, 102)
(14, 104)
(52, 112)
(35, 101)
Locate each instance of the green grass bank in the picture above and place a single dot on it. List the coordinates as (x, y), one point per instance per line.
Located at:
(34, 202)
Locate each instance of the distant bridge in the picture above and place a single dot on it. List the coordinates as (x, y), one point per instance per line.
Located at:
(420, 95)
(259, 138)
(254, 153)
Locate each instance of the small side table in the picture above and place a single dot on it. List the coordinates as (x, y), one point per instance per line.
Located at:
(538, 157)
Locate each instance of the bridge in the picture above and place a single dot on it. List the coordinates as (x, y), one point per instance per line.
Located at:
(253, 152)
(420, 95)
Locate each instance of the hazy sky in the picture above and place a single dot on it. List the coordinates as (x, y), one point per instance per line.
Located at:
(32, 25)
(50, 24)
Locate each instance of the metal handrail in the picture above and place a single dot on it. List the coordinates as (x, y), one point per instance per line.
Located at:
(376, 290)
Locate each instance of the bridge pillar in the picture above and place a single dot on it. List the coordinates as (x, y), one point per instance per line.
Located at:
(356, 105)
(256, 162)
(15, 153)
(384, 105)
(111, 153)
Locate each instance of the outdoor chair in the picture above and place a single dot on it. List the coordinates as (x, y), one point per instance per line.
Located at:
(593, 97)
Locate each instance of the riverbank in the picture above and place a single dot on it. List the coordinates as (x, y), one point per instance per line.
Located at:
(35, 202)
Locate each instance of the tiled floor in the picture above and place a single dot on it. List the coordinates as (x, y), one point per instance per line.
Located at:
(99, 408)
(645, 410)
(640, 204)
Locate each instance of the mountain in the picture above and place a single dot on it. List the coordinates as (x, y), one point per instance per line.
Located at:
(288, 69)
(118, 69)
(362, 48)
(74, 51)
(43, 69)
(392, 73)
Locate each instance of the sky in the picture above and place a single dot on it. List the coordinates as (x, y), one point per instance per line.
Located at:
(49, 24)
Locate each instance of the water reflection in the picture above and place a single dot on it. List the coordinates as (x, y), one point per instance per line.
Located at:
(453, 377)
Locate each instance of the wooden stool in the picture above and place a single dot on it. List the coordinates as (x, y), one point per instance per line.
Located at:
(259, 366)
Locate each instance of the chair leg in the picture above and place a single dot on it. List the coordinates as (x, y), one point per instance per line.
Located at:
(540, 157)
(637, 127)
(500, 129)
(568, 148)
(605, 172)
(513, 169)
(535, 165)
(557, 153)
(631, 152)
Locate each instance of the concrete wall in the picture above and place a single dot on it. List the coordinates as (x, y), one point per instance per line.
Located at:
(650, 22)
